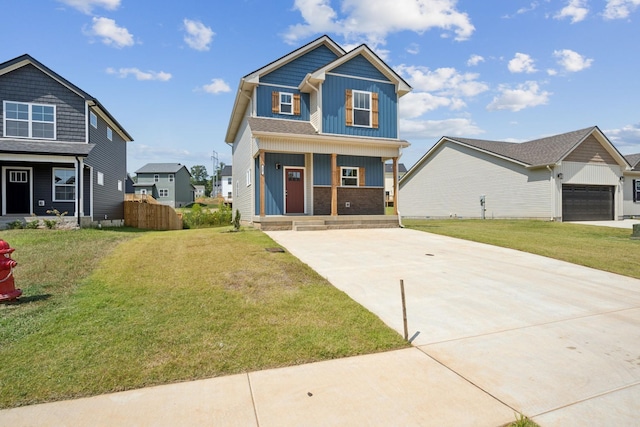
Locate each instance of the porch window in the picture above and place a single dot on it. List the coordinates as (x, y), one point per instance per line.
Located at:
(163, 192)
(64, 185)
(349, 176)
(26, 120)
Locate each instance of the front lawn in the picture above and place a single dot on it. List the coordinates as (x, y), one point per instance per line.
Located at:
(603, 248)
(105, 311)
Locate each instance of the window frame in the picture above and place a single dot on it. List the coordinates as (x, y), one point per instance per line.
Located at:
(120, 185)
(349, 177)
(636, 191)
(172, 177)
(100, 178)
(156, 177)
(163, 192)
(354, 94)
(55, 185)
(109, 133)
(30, 121)
(93, 119)
(281, 103)
(19, 176)
(248, 177)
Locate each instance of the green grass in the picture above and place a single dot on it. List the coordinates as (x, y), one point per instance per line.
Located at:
(106, 311)
(604, 248)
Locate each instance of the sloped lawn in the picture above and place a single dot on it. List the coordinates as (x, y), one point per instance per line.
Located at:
(106, 310)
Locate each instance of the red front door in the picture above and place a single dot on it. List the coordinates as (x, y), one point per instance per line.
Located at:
(294, 191)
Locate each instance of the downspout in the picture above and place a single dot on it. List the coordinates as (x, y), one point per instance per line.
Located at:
(553, 193)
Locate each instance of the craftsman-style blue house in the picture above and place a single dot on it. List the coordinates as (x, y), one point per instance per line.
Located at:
(311, 133)
(60, 149)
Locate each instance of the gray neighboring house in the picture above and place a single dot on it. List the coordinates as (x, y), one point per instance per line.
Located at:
(575, 176)
(632, 187)
(168, 183)
(59, 148)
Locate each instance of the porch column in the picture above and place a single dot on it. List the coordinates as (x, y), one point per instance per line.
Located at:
(335, 178)
(261, 172)
(395, 186)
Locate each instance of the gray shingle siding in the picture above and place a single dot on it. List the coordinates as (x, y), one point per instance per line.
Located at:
(28, 84)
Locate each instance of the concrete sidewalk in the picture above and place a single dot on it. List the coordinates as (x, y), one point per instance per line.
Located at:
(403, 387)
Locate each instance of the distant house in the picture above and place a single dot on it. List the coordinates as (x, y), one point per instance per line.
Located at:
(60, 149)
(198, 191)
(169, 183)
(390, 182)
(632, 187)
(575, 176)
(310, 133)
(226, 183)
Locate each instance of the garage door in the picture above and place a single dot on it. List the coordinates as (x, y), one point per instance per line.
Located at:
(587, 202)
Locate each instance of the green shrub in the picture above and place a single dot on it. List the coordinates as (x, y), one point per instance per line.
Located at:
(50, 223)
(204, 218)
(236, 220)
(14, 225)
(32, 225)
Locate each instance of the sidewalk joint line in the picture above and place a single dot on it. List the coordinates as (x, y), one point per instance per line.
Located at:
(253, 400)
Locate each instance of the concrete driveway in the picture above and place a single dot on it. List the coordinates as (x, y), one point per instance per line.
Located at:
(555, 341)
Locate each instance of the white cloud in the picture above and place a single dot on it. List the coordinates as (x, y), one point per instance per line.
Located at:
(575, 10)
(572, 61)
(620, 9)
(413, 49)
(140, 75)
(415, 104)
(522, 63)
(445, 81)
(216, 86)
(198, 35)
(525, 95)
(86, 6)
(423, 129)
(626, 139)
(474, 60)
(552, 72)
(111, 34)
(371, 21)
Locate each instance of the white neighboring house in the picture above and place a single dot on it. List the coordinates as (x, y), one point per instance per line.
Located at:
(575, 176)
(226, 183)
(632, 187)
(389, 190)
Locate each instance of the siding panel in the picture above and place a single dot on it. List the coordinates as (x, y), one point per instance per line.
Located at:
(264, 103)
(359, 66)
(292, 73)
(590, 151)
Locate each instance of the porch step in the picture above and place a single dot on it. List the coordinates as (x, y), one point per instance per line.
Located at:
(314, 225)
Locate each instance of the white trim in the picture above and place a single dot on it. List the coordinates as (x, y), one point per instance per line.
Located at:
(100, 178)
(91, 116)
(353, 108)
(91, 207)
(4, 186)
(120, 185)
(361, 78)
(357, 177)
(109, 133)
(53, 184)
(275, 85)
(280, 103)
(304, 187)
(163, 190)
(86, 124)
(80, 194)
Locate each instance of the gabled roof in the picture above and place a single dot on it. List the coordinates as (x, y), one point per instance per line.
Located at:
(319, 75)
(541, 152)
(227, 170)
(634, 161)
(388, 168)
(21, 61)
(162, 168)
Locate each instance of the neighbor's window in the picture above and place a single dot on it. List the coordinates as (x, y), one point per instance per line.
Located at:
(229, 195)
(26, 120)
(636, 193)
(248, 177)
(143, 191)
(119, 185)
(229, 181)
(361, 108)
(64, 185)
(93, 119)
(100, 178)
(163, 192)
(171, 177)
(109, 134)
(349, 176)
(156, 178)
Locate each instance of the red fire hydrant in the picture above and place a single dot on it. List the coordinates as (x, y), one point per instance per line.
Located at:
(8, 291)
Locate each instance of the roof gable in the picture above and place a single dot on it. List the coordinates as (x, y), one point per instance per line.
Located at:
(162, 168)
(293, 72)
(634, 161)
(24, 60)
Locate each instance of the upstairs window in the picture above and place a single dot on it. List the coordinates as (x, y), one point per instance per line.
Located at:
(163, 192)
(93, 119)
(636, 190)
(361, 108)
(26, 120)
(109, 134)
(285, 103)
(171, 177)
(156, 178)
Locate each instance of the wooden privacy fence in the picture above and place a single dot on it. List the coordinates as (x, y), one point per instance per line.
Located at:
(140, 214)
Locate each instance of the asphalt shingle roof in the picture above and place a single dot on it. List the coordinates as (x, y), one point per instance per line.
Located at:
(281, 126)
(541, 151)
(634, 161)
(45, 147)
(388, 168)
(160, 168)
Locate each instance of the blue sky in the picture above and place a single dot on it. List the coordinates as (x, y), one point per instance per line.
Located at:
(499, 70)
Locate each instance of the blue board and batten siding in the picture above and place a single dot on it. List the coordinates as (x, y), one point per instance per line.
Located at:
(333, 111)
(274, 180)
(373, 168)
(292, 73)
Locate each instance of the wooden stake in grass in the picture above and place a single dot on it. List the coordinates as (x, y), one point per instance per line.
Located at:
(404, 310)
